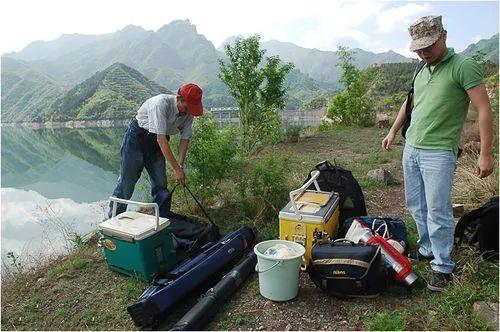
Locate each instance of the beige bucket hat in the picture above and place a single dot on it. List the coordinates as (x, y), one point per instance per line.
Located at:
(425, 32)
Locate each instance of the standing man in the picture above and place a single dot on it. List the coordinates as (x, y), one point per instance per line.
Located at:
(146, 144)
(442, 91)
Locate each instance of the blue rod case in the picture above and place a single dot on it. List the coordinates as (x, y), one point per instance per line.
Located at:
(166, 291)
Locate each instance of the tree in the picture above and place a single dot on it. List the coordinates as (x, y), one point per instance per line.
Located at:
(351, 106)
(258, 87)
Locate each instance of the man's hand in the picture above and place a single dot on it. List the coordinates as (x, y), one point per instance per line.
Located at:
(386, 143)
(484, 165)
(180, 177)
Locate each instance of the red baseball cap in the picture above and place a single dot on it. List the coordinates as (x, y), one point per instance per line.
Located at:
(192, 94)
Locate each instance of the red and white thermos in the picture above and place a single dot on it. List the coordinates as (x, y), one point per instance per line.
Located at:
(392, 256)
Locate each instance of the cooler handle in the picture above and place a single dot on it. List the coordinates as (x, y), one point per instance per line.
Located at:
(141, 204)
(295, 192)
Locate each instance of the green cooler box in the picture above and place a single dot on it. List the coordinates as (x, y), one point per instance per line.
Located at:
(138, 244)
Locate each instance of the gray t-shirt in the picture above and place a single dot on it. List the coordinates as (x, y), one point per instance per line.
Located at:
(159, 115)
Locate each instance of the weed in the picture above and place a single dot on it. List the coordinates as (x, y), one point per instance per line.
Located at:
(132, 288)
(77, 241)
(385, 320)
(468, 188)
(231, 322)
(292, 133)
(70, 265)
(15, 262)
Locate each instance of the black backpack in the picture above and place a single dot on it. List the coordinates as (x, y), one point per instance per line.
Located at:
(480, 226)
(340, 180)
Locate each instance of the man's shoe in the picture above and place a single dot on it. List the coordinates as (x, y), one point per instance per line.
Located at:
(415, 255)
(438, 281)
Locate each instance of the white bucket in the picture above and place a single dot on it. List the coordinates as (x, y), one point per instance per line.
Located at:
(278, 277)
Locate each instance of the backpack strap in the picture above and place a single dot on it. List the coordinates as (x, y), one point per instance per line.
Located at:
(409, 99)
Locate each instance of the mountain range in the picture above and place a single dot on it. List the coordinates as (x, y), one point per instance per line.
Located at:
(38, 83)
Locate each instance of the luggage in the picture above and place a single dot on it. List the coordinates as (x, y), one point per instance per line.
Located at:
(480, 226)
(137, 244)
(396, 228)
(339, 180)
(345, 269)
(309, 216)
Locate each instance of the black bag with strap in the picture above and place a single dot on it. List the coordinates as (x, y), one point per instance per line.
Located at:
(344, 269)
(340, 180)
(409, 100)
(480, 226)
(189, 232)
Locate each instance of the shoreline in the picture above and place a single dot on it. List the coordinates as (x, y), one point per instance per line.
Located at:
(68, 124)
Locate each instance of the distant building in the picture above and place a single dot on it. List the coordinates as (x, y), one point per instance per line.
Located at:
(230, 116)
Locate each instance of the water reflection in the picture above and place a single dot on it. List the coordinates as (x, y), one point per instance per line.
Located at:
(56, 181)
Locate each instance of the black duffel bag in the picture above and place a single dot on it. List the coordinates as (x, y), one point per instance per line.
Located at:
(344, 269)
(189, 233)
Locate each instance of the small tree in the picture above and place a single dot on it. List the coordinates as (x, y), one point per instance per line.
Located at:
(351, 106)
(258, 88)
(213, 154)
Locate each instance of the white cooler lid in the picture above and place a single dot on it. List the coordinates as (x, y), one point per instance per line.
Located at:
(133, 225)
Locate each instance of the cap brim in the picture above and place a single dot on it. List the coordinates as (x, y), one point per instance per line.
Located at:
(195, 109)
(424, 42)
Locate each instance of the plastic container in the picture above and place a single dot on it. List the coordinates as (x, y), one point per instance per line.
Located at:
(278, 277)
(138, 244)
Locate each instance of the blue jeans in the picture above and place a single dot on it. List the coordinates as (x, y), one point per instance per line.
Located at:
(140, 150)
(428, 179)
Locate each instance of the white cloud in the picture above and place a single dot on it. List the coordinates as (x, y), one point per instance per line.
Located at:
(318, 24)
(477, 38)
(30, 220)
(399, 18)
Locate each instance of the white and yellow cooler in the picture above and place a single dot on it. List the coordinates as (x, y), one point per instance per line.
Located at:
(310, 216)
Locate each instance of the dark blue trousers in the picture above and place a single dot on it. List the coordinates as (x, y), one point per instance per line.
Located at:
(141, 150)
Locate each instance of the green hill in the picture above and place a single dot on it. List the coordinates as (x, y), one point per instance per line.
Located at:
(26, 93)
(488, 47)
(114, 93)
(322, 65)
(388, 84)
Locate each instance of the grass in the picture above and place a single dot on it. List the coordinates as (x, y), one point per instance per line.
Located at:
(231, 322)
(385, 320)
(468, 188)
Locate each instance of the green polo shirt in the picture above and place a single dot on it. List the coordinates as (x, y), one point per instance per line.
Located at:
(441, 102)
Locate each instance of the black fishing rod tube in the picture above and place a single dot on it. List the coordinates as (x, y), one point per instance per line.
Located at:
(214, 298)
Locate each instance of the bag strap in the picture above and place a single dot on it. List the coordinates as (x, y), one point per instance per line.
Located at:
(197, 202)
(409, 98)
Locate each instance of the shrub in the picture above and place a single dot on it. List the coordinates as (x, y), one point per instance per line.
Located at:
(292, 133)
(264, 188)
(213, 153)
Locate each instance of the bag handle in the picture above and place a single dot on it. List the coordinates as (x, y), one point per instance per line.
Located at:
(386, 234)
(140, 204)
(301, 190)
(343, 240)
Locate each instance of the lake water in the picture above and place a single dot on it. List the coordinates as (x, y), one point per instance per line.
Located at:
(55, 183)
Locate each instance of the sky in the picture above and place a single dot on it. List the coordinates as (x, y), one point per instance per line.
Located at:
(376, 26)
